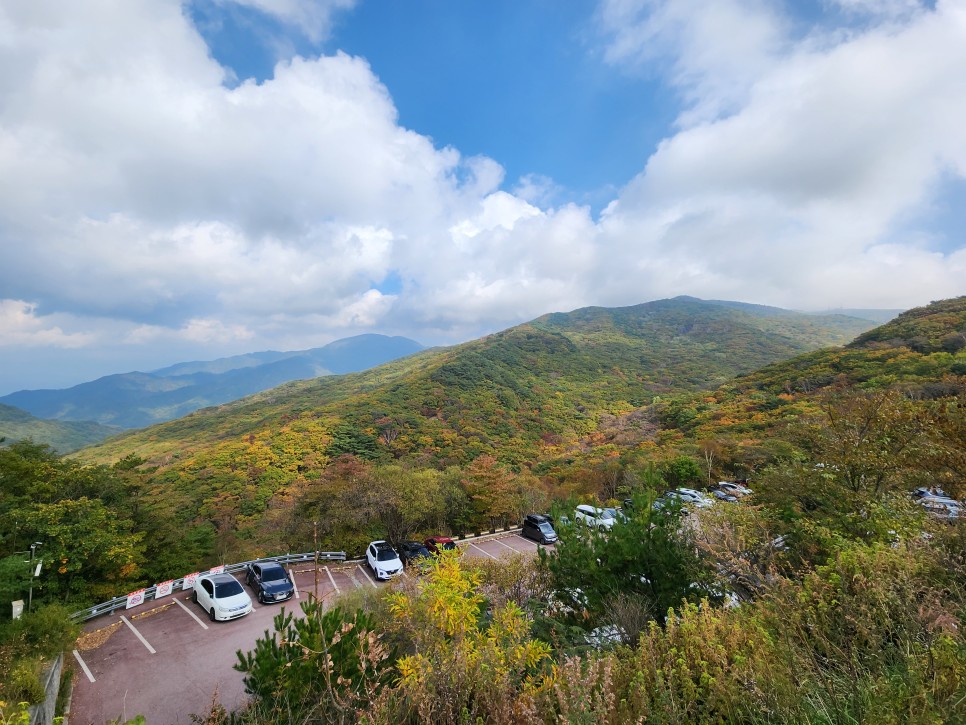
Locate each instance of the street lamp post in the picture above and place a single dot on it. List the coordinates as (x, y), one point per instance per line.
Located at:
(33, 574)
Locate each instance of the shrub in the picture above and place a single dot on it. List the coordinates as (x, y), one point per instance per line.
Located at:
(24, 684)
(464, 666)
(326, 667)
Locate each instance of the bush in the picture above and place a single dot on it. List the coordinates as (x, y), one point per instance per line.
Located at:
(24, 684)
(874, 636)
(26, 644)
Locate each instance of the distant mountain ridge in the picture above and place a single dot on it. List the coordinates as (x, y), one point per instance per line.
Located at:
(138, 399)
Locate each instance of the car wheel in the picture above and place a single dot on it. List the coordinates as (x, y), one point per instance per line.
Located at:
(211, 613)
(261, 598)
(601, 528)
(194, 597)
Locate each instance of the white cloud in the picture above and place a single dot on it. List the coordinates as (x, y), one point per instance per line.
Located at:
(21, 326)
(715, 52)
(144, 203)
(312, 17)
(880, 9)
(794, 196)
(537, 189)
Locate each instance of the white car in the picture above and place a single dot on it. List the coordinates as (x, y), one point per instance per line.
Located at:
(690, 496)
(222, 596)
(383, 560)
(941, 507)
(735, 489)
(594, 517)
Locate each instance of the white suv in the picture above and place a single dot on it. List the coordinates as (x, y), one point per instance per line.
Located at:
(383, 560)
(595, 517)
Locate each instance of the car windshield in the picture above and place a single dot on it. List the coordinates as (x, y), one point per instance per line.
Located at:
(227, 589)
(419, 551)
(447, 545)
(386, 555)
(273, 574)
(609, 514)
(546, 528)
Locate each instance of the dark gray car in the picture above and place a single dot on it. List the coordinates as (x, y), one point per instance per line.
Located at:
(269, 581)
(538, 528)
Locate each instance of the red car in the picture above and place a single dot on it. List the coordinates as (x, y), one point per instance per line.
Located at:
(439, 544)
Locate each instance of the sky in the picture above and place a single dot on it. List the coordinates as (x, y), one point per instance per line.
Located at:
(190, 180)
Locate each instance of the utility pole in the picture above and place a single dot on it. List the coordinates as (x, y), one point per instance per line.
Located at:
(315, 546)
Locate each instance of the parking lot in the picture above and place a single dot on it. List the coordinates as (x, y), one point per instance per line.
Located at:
(165, 660)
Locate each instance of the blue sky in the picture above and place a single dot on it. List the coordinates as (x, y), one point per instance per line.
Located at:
(521, 82)
(190, 180)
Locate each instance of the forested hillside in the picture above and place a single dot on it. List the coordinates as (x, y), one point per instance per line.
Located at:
(510, 393)
(851, 597)
(920, 355)
(565, 387)
(62, 436)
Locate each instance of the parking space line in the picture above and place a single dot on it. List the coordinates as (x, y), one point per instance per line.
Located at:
(366, 574)
(83, 666)
(190, 613)
(294, 585)
(138, 634)
(332, 579)
(516, 551)
(484, 551)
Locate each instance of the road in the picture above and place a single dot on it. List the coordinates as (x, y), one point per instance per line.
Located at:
(165, 660)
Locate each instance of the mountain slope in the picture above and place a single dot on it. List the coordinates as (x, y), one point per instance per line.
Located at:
(135, 400)
(507, 394)
(922, 351)
(62, 436)
(545, 406)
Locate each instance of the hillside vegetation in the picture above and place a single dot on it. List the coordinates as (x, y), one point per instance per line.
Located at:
(551, 379)
(922, 354)
(559, 388)
(851, 599)
(62, 436)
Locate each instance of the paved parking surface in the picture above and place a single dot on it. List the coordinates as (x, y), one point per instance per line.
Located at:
(168, 661)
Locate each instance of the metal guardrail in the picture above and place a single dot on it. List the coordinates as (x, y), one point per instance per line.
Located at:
(177, 584)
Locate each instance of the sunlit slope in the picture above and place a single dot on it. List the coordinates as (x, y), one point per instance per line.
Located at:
(503, 394)
(922, 352)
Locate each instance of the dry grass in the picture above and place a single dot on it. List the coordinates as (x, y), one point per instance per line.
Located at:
(93, 640)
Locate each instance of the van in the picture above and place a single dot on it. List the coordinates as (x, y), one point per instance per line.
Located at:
(538, 528)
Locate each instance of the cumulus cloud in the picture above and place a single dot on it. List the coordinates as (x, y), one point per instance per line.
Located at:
(793, 195)
(145, 202)
(21, 326)
(712, 52)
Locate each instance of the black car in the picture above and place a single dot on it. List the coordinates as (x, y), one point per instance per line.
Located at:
(269, 581)
(539, 528)
(412, 551)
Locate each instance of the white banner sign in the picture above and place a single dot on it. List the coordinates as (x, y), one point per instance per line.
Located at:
(135, 598)
(163, 589)
(217, 569)
(189, 580)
